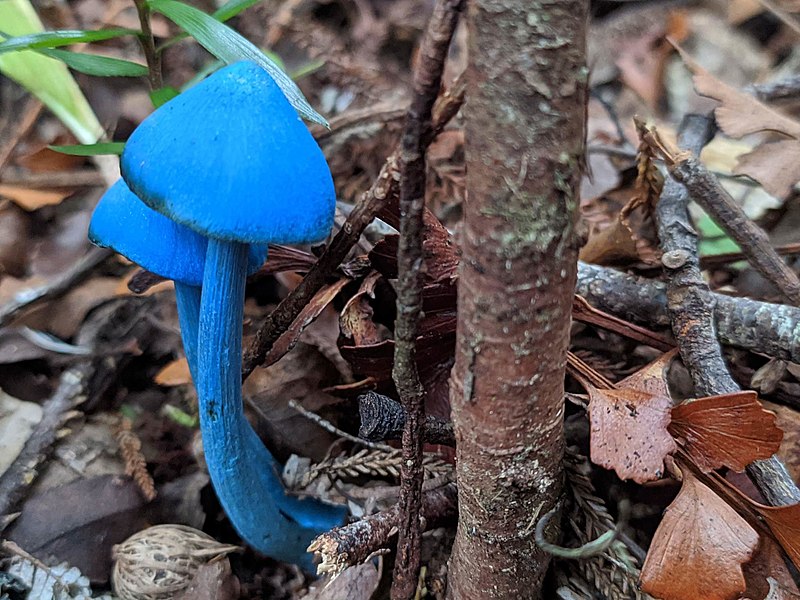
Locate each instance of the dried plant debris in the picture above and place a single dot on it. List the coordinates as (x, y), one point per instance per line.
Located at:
(60, 582)
(159, 562)
(614, 572)
(372, 463)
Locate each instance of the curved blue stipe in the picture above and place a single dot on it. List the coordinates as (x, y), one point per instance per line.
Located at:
(231, 158)
(244, 473)
(123, 223)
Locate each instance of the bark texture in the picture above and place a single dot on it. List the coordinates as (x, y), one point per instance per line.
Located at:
(526, 90)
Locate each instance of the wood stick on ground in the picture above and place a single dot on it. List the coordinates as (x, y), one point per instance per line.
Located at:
(690, 307)
(384, 190)
(354, 543)
(706, 190)
(426, 83)
(384, 419)
(763, 327)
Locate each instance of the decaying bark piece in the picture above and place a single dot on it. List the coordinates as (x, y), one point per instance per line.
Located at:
(526, 84)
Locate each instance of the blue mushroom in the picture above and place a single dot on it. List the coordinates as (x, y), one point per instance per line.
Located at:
(231, 160)
(124, 224)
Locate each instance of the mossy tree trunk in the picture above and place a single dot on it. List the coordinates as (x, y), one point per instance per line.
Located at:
(525, 122)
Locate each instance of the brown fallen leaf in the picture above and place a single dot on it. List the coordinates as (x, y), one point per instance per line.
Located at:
(629, 432)
(731, 430)
(80, 521)
(774, 164)
(32, 199)
(699, 548)
(629, 421)
(784, 521)
(788, 420)
(174, 374)
(213, 581)
(310, 312)
(767, 571)
(355, 320)
(358, 582)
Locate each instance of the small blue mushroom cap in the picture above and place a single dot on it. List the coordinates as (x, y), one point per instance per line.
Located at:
(231, 159)
(125, 224)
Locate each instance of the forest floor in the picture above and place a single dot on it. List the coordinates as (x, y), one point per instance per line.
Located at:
(94, 383)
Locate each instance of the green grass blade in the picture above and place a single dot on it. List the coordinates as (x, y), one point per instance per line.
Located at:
(54, 39)
(97, 149)
(227, 45)
(232, 8)
(93, 64)
(46, 78)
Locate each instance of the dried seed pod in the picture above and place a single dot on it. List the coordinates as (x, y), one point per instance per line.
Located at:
(159, 562)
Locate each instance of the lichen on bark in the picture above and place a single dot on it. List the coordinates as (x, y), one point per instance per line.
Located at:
(525, 120)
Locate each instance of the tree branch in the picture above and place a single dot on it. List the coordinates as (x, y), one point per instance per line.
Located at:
(690, 307)
(763, 327)
(427, 80)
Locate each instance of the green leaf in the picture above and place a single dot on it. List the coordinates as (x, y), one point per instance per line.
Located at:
(53, 39)
(232, 8)
(163, 95)
(93, 64)
(307, 69)
(91, 149)
(713, 239)
(47, 79)
(227, 45)
(178, 416)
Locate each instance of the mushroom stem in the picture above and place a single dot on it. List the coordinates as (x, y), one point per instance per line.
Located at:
(244, 473)
(187, 297)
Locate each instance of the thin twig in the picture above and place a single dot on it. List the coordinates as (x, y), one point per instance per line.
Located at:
(706, 190)
(427, 81)
(384, 190)
(354, 543)
(690, 306)
(782, 89)
(55, 288)
(328, 426)
(148, 43)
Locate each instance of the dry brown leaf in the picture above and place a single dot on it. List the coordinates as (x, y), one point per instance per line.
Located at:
(775, 165)
(629, 432)
(652, 377)
(767, 571)
(32, 199)
(310, 312)
(788, 420)
(699, 548)
(784, 522)
(174, 374)
(355, 320)
(730, 430)
(358, 582)
(629, 423)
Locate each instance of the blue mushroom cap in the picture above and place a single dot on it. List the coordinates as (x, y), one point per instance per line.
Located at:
(231, 159)
(125, 224)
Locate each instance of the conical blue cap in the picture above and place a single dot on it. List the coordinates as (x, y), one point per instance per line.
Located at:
(125, 224)
(231, 159)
